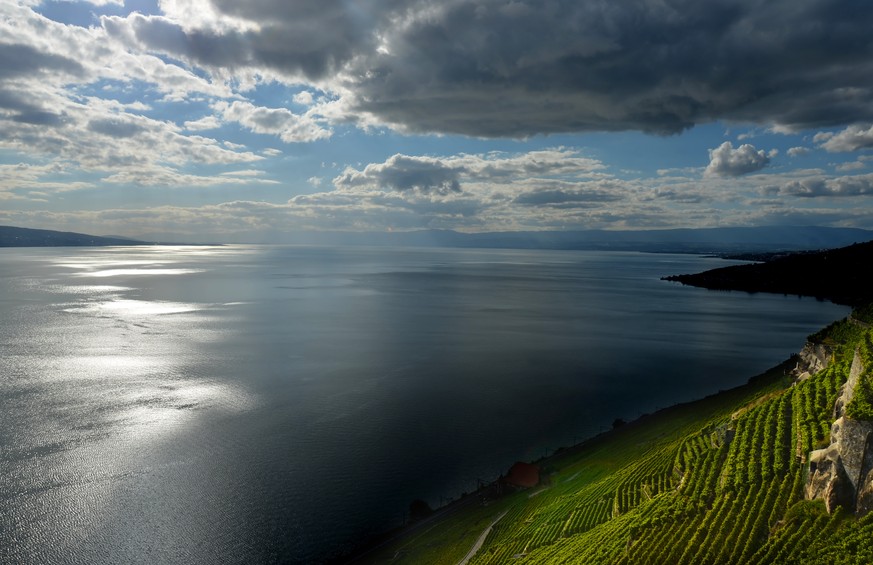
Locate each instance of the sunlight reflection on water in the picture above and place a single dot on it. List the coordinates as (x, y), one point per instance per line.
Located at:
(152, 272)
(90, 390)
(133, 308)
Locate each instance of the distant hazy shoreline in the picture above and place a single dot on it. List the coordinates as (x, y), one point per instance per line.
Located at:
(719, 241)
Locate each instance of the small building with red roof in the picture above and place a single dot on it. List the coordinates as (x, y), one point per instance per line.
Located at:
(523, 475)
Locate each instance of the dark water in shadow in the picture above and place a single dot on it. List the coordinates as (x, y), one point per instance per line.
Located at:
(270, 404)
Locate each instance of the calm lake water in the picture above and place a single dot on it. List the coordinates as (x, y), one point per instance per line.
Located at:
(272, 404)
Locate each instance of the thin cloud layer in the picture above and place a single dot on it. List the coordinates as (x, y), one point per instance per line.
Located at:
(857, 185)
(852, 138)
(552, 189)
(444, 175)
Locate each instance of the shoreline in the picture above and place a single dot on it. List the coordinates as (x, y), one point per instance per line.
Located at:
(751, 278)
(774, 374)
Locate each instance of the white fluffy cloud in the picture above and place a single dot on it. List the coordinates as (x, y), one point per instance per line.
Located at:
(729, 162)
(852, 138)
(204, 123)
(290, 127)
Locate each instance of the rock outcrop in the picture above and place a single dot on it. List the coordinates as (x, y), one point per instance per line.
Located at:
(812, 358)
(840, 474)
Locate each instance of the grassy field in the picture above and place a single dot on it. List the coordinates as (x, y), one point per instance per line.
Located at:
(719, 480)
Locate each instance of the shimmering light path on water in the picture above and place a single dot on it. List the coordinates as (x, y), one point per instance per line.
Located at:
(271, 404)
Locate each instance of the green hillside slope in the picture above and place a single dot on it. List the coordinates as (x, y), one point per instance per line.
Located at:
(720, 480)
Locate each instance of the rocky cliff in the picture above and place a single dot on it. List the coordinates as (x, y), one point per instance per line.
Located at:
(840, 474)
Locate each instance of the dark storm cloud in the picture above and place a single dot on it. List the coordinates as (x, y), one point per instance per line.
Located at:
(228, 50)
(515, 68)
(658, 66)
(313, 38)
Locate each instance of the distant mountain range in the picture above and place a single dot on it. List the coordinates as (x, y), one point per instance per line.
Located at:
(710, 240)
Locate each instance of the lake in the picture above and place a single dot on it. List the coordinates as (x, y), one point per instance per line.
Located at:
(247, 404)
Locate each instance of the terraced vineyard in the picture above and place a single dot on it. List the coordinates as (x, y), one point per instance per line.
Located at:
(720, 480)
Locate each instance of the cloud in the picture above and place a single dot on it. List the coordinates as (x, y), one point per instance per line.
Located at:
(302, 39)
(18, 59)
(597, 65)
(115, 127)
(850, 166)
(402, 173)
(852, 138)
(797, 151)
(569, 195)
(729, 162)
(105, 2)
(444, 175)
(162, 176)
(544, 189)
(244, 173)
(497, 69)
(96, 135)
(204, 123)
(857, 185)
(557, 162)
(57, 84)
(23, 181)
(290, 127)
(304, 98)
(552, 189)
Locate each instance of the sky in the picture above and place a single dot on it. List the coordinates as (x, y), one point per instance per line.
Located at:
(249, 121)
